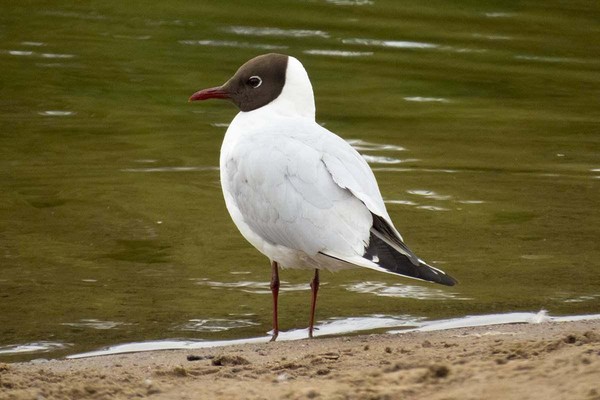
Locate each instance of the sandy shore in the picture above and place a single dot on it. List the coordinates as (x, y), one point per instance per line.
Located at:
(553, 360)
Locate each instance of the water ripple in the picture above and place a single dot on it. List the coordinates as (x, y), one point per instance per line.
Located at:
(581, 299)
(229, 43)
(174, 22)
(407, 44)
(28, 53)
(58, 65)
(430, 194)
(403, 291)
(400, 44)
(53, 55)
(140, 37)
(253, 287)
(536, 256)
(396, 169)
(498, 14)
(33, 347)
(34, 44)
(94, 324)
(362, 145)
(549, 59)
(19, 52)
(350, 2)
(170, 169)
(403, 202)
(384, 160)
(427, 99)
(433, 208)
(56, 113)
(338, 53)
(215, 325)
(256, 31)
(492, 37)
(72, 14)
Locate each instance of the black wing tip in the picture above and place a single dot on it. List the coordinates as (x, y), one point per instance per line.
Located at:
(438, 275)
(397, 263)
(447, 280)
(432, 274)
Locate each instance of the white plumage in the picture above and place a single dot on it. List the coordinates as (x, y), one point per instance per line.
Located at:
(297, 192)
(295, 189)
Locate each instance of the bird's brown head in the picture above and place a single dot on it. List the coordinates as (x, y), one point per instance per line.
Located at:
(255, 84)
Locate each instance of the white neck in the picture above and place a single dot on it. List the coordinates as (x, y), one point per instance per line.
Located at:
(296, 98)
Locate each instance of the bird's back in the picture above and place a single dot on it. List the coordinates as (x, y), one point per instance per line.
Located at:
(293, 183)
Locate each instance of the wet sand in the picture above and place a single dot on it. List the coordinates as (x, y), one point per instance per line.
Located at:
(550, 360)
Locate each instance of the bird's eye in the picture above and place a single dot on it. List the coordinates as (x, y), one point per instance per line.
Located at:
(255, 81)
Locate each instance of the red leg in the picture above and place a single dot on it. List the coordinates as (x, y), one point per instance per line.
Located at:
(314, 287)
(275, 291)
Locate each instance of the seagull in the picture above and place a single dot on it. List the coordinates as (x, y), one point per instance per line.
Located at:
(300, 194)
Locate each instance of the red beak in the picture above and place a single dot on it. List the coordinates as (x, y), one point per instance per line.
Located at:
(211, 93)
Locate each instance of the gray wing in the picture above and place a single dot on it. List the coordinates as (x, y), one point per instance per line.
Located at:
(309, 190)
(287, 195)
(350, 171)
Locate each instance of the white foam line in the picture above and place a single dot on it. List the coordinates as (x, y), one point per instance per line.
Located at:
(332, 327)
(496, 319)
(336, 327)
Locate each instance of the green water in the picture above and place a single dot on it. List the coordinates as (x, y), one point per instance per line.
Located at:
(112, 224)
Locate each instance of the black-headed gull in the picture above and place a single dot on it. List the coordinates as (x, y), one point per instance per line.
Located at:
(297, 192)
